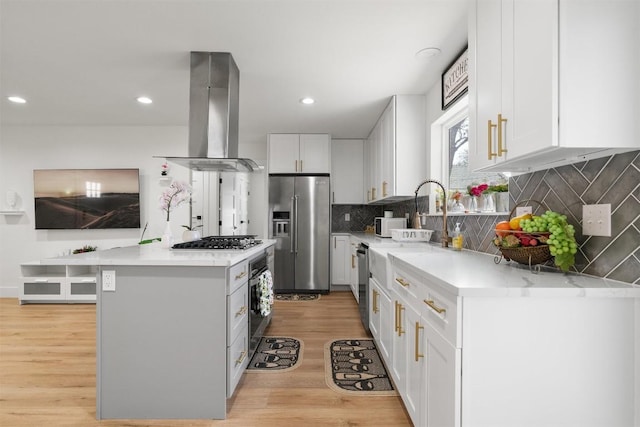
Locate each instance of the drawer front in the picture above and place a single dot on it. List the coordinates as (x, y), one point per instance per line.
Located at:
(441, 311)
(238, 274)
(237, 360)
(407, 285)
(237, 312)
(42, 289)
(82, 289)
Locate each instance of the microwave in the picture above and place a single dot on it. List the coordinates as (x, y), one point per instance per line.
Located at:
(385, 225)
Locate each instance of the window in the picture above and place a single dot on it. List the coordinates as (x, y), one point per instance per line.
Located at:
(450, 154)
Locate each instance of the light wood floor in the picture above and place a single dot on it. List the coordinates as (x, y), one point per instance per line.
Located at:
(47, 371)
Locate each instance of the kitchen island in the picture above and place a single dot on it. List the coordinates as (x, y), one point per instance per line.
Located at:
(170, 344)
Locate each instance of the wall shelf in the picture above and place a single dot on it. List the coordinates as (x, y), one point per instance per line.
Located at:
(10, 213)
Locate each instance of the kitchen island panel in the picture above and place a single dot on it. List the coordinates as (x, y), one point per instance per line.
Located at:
(161, 343)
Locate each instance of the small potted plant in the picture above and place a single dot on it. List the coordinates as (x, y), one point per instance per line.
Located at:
(190, 233)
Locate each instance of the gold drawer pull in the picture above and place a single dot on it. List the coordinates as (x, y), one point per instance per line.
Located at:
(402, 282)
(243, 355)
(242, 311)
(384, 189)
(241, 275)
(374, 307)
(433, 305)
(417, 353)
(353, 261)
(400, 307)
(500, 149)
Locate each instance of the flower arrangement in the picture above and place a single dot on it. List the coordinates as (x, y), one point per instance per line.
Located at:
(499, 188)
(477, 190)
(175, 195)
(456, 195)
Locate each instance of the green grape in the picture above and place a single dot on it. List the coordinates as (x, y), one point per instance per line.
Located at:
(562, 243)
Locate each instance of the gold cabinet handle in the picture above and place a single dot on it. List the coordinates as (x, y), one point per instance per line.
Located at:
(353, 261)
(500, 149)
(368, 195)
(296, 166)
(242, 310)
(400, 330)
(375, 302)
(396, 315)
(243, 355)
(403, 282)
(384, 188)
(241, 275)
(417, 344)
(434, 307)
(300, 165)
(373, 193)
(490, 127)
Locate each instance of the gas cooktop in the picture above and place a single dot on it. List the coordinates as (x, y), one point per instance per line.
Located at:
(221, 242)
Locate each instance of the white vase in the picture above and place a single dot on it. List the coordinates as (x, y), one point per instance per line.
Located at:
(473, 204)
(167, 236)
(190, 235)
(488, 204)
(502, 202)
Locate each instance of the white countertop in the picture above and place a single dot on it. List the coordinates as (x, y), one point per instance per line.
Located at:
(470, 273)
(154, 254)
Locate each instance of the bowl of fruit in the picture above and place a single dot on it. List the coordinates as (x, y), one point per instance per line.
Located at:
(535, 239)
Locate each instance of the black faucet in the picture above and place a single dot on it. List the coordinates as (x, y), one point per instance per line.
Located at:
(445, 234)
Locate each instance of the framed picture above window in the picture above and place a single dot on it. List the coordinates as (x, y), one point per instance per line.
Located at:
(455, 80)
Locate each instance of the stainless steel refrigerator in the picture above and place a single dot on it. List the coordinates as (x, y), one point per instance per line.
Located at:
(300, 222)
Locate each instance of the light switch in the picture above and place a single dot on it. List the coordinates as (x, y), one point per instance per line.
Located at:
(347, 217)
(596, 220)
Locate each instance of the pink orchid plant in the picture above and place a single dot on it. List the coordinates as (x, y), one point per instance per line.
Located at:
(175, 195)
(477, 190)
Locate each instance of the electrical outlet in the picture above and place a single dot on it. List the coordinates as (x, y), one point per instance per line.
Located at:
(521, 210)
(347, 217)
(596, 220)
(109, 280)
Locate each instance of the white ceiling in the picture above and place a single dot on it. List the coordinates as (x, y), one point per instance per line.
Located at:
(83, 62)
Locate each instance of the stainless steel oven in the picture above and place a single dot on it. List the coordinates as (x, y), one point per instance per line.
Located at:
(259, 313)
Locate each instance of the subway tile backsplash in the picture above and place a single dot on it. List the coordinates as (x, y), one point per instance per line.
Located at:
(614, 180)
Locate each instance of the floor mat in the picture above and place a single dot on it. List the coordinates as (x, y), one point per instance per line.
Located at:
(297, 297)
(353, 366)
(276, 354)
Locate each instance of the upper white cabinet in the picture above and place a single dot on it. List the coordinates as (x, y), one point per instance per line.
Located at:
(552, 82)
(347, 171)
(299, 153)
(396, 150)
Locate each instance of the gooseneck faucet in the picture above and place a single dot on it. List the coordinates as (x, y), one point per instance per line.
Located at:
(445, 234)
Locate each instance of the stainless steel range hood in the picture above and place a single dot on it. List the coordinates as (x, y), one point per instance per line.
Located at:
(213, 115)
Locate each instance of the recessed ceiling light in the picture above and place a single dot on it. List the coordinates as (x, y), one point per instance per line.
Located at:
(17, 99)
(144, 100)
(427, 52)
(307, 101)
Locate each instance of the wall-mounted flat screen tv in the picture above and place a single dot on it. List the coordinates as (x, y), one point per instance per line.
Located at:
(86, 198)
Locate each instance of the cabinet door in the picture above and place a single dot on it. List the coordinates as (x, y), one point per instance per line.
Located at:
(387, 149)
(441, 396)
(284, 153)
(353, 275)
(374, 309)
(415, 365)
(386, 326)
(340, 261)
(315, 153)
(485, 80)
(81, 288)
(374, 167)
(347, 171)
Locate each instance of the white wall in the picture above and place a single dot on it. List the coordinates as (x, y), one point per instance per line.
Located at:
(23, 149)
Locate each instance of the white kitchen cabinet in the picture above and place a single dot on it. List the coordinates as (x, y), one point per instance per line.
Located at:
(526, 358)
(299, 153)
(380, 318)
(538, 97)
(340, 260)
(397, 150)
(57, 283)
(347, 171)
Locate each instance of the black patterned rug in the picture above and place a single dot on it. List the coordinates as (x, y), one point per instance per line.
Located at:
(297, 297)
(354, 366)
(276, 354)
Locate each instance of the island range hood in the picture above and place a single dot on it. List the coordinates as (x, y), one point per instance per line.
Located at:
(213, 115)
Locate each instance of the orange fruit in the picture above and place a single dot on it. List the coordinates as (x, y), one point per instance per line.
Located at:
(502, 228)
